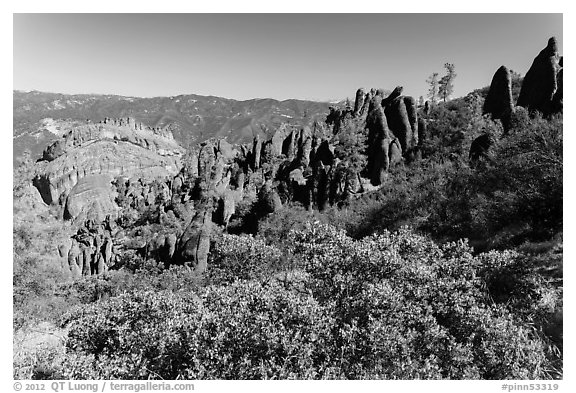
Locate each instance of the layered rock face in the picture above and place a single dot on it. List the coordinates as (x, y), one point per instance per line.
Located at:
(81, 166)
(541, 81)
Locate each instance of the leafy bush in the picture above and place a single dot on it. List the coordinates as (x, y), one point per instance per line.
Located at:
(243, 331)
(391, 306)
(275, 227)
(411, 309)
(498, 203)
(242, 258)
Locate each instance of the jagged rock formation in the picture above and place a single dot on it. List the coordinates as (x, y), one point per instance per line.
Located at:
(540, 82)
(498, 102)
(337, 116)
(92, 250)
(194, 244)
(80, 168)
(401, 113)
(114, 169)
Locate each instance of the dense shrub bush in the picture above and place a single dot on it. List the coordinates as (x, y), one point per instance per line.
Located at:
(391, 306)
(243, 257)
(414, 306)
(242, 331)
(498, 203)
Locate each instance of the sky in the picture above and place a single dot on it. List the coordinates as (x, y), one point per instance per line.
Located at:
(242, 56)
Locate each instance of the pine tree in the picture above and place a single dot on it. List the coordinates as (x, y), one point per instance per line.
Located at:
(446, 84)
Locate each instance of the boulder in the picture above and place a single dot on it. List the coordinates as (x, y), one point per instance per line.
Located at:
(480, 147)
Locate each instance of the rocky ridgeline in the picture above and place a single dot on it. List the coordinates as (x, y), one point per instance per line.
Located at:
(541, 91)
(117, 169)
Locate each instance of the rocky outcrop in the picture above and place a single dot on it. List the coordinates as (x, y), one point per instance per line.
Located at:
(540, 83)
(401, 114)
(161, 247)
(337, 116)
(498, 102)
(97, 174)
(92, 250)
(379, 140)
(91, 198)
(397, 92)
(124, 129)
(256, 152)
(359, 101)
(82, 165)
(194, 244)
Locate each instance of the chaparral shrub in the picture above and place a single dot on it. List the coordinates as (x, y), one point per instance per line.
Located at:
(390, 306)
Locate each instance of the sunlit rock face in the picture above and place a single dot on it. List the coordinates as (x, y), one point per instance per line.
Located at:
(80, 167)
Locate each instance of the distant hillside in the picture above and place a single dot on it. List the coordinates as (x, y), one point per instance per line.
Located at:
(192, 118)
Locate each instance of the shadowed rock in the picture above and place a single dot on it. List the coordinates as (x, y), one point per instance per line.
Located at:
(325, 153)
(426, 110)
(403, 122)
(498, 102)
(269, 199)
(558, 100)
(397, 92)
(540, 82)
(480, 147)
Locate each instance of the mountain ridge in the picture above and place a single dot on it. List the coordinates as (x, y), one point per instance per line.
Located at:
(192, 118)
